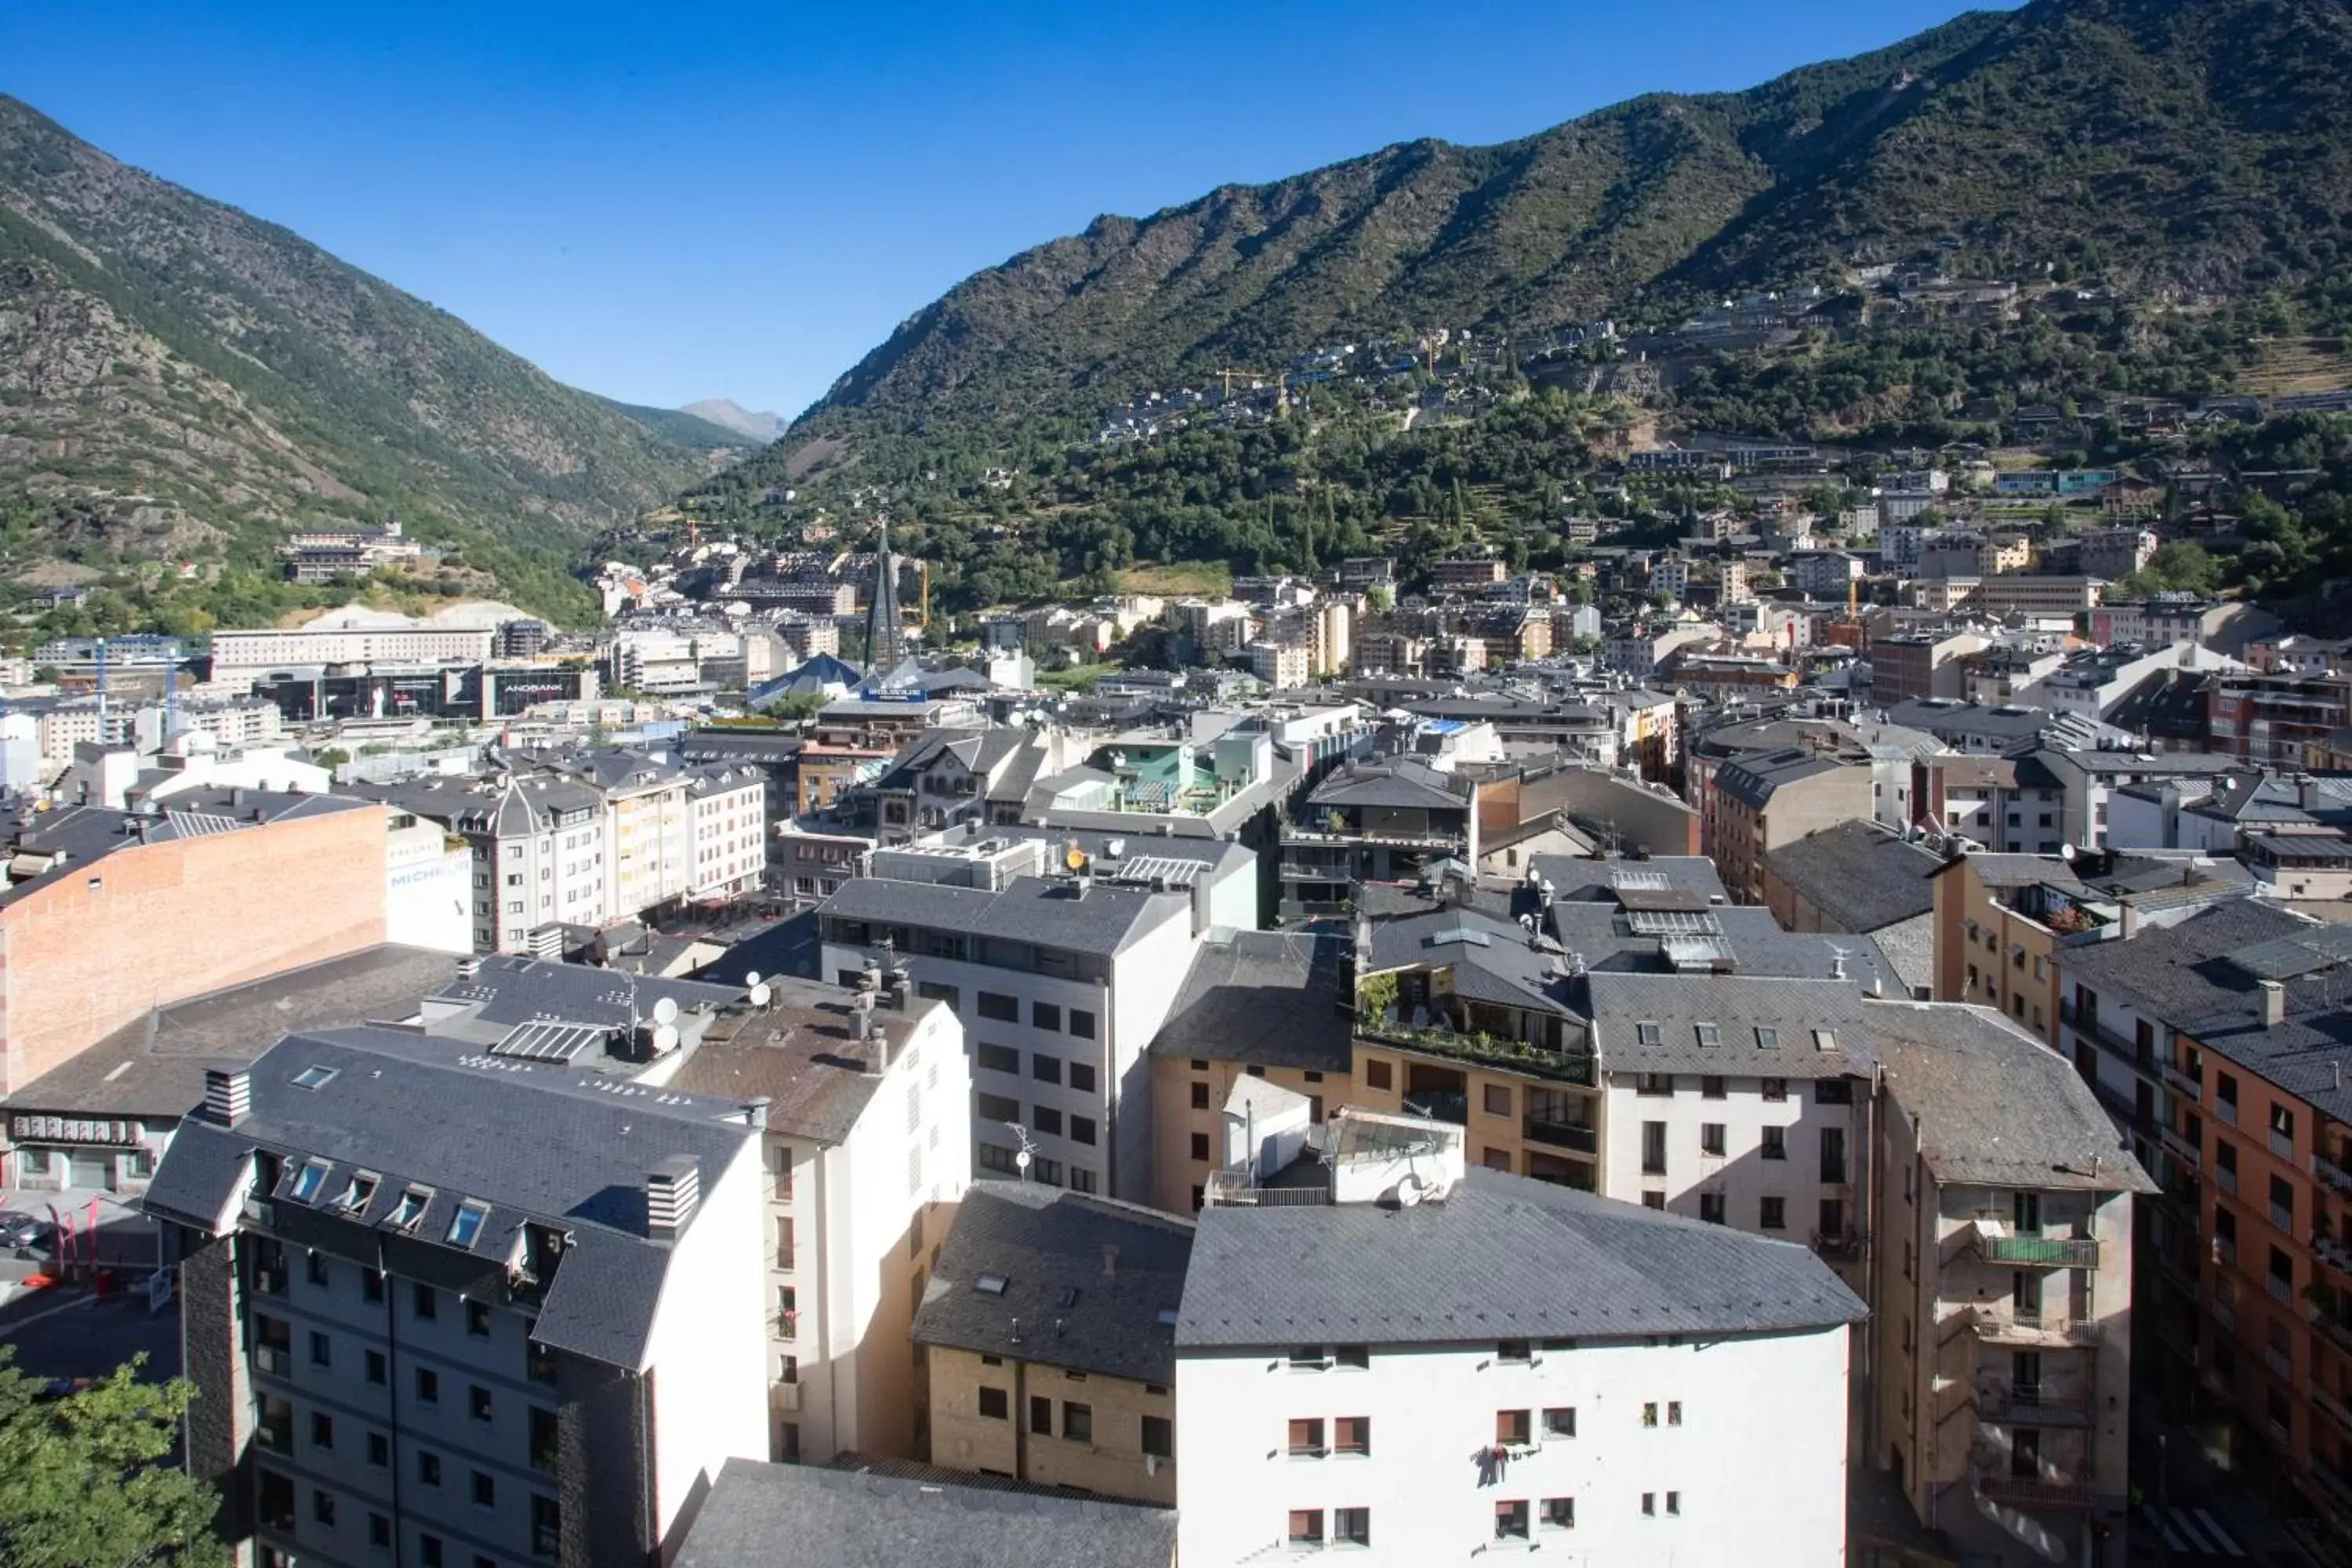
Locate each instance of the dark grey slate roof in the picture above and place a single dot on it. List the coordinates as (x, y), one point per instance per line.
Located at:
(798, 1516)
(402, 1106)
(1048, 1245)
(155, 1066)
(1575, 880)
(1858, 874)
(1401, 783)
(1030, 909)
(1492, 958)
(1738, 1006)
(1996, 1107)
(1265, 998)
(1753, 781)
(505, 989)
(1501, 1257)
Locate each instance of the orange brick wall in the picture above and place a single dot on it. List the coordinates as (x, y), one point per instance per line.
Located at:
(168, 921)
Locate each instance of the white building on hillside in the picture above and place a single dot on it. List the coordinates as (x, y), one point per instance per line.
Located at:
(1431, 1365)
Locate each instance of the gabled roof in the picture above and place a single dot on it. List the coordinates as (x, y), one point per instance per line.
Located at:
(1038, 1273)
(1721, 1024)
(1399, 784)
(1500, 1256)
(1858, 874)
(1996, 1107)
(1265, 999)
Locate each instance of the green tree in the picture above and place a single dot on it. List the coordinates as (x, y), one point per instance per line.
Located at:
(1380, 598)
(84, 1482)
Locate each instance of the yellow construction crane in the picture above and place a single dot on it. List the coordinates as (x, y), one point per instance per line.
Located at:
(1281, 379)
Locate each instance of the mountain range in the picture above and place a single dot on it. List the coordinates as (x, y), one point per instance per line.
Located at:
(2172, 149)
(728, 415)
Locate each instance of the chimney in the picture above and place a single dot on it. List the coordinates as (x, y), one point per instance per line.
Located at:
(468, 966)
(755, 1113)
(2273, 1004)
(228, 1095)
(1837, 963)
(2306, 792)
(1110, 1259)
(673, 1190)
(875, 1044)
(2131, 920)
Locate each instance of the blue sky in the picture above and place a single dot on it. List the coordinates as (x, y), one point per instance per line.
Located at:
(726, 199)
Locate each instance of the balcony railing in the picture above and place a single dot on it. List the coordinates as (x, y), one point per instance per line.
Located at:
(2177, 1143)
(2051, 1333)
(1844, 1244)
(2037, 1251)
(2032, 1404)
(2333, 1488)
(2181, 1084)
(2333, 1253)
(1571, 1135)
(2333, 1174)
(2334, 1408)
(1237, 1188)
(1515, 1056)
(2031, 1491)
(787, 1397)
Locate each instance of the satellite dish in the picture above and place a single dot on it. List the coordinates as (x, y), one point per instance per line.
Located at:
(1021, 1161)
(1074, 858)
(665, 1040)
(666, 1011)
(1408, 1192)
(752, 977)
(2065, 851)
(760, 995)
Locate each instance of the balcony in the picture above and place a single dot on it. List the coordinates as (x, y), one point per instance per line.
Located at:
(2334, 1489)
(2031, 1491)
(1997, 1246)
(2335, 1409)
(2032, 1404)
(1512, 1055)
(1569, 1135)
(2125, 1108)
(1840, 1246)
(2031, 1333)
(2181, 1084)
(2332, 1174)
(2281, 1363)
(2177, 1145)
(785, 1397)
(2225, 1316)
(2333, 1253)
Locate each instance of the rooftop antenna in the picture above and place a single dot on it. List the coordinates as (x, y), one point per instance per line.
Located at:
(1023, 1160)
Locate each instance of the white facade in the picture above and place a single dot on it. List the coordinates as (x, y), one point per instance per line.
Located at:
(728, 813)
(428, 886)
(1753, 1117)
(241, 655)
(650, 843)
(1729, 1449)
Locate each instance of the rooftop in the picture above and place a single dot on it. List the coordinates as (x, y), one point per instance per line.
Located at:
(1499, 1257)
(1730, 1024)
(1047, 911)
(1858, 874)
(1264, 998)
(802, 1052)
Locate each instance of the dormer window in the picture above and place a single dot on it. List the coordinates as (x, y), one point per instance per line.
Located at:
(411, 1207)
(308, 1181)
(467, 1223)
(356, 1193)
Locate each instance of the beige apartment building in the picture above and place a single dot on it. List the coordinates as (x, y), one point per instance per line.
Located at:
(1046, 1339)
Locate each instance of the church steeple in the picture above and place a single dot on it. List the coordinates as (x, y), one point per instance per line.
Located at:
(885, 636)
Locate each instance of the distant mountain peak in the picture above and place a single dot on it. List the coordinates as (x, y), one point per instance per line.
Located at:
(730, 415)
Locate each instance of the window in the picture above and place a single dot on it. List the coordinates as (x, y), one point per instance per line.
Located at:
(1377, 1073)
(1710, 1208)
(994, 1405)
(1046, 1016)
(1082, 1130)
(1708, 1035)
(1650, 1414)
(1834, 1156)
(1711, 1138)
(478, 1403)
(466, 1223)
(1082, 1025)
(546, 1526)
(1352, 1525)
(1159, 1436)
(322, 1350)
(1352, 1434)
(1832, 1217)
(422, 1303)
(486, 1490)
(995, 1158)
(1655, 1198)
(1658, 1084)
(1654, 1148)
(322, 1506)
(1357, 1357)
(1711, 1087)
(1082, 1077)
(999, 1058)
(1199, 1146)
(1513, 1350)
(322, 1429)
(379, 1532)
(1833, 1091)
(371, 1284)
(1559, 1421)
(1674, 1412)
(1560, 1513)
(1046, 1068)
(1649, 1505)
(428, 1468)
(314, 1268)
(375, 1367)
(1767, 1038)
(1673, 1504)
(1511, 1521)
(1200, 1097)
(1775, 1143)
(1047, 1120)
(379, 1450)
(1771, 1215)
(1776, 1088)
(1041, 1415)
(998, 1108)
(1306, 1439)
(428, 1387)
(1498, 1100)
(999, 1008)
(1514, 1428)
(1306, 1527)
(428, 1551)
(478, 1317)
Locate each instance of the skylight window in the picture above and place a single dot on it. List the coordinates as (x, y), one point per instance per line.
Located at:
(467, 1223)
(313, 1077)
(1823, 1041)
(308, 1181)
(990, 1284)
(1710, 1035)
(357, 1192)
(1767, 1038)
(1167, 1316)
(1067, 1298)
(1648, 1034)
(411, 1208)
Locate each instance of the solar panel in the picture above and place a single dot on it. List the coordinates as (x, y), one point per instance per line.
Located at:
(547, 1042)
(1460, 933)
(1174, 872)
(1695, 951)
(1621, 879)
(1672, 922)
(2305, 952)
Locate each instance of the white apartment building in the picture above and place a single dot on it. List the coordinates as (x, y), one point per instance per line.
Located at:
(1743, 1100)
(1061, 982)
(1434, 1365)
(417, 1337)
(866, 1099)
(727, 814)
(538, 851)
(366, 638)
(2003, 1284)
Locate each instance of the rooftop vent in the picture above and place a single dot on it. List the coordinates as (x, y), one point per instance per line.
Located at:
(228, 1095)
(673, 1190)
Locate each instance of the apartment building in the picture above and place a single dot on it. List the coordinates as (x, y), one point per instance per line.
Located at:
(1425, 1362)
(1741, 1100)
(866, 1100)
(1048, 1341)
(356, 636)
(1061, 982)
(2279, 718)
(1760, 802)
(1922, 665)
(2008, 805)
(2038, 595)
(223, 887)
(416, 1337)
(2003, 1289)
(726, 818)
(1375, 822)
(2228, 1029)
(539, 847)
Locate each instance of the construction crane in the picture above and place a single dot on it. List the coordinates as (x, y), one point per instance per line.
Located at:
(1280, 378)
